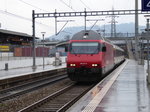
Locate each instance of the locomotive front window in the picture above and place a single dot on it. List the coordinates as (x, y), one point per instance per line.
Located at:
(84, 47)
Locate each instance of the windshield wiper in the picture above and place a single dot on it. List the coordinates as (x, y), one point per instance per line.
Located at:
(95, 51)
(72, 51)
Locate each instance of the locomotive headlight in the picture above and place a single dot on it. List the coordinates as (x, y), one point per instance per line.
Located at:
(72, 64)
(95, 65)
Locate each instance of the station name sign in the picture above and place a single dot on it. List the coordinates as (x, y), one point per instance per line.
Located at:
(145, 5)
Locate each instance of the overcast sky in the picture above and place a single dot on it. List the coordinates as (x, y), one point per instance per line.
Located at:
(15, 15)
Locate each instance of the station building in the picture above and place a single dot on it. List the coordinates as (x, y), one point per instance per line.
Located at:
(11, 39)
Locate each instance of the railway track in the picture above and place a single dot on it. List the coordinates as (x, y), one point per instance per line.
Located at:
(12, 92)
(47, 96)
(60, 100)
(27, 78)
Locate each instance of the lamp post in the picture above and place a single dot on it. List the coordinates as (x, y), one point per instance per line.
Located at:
(148, 77)
(136, 30)
(43, 33)
(147, 37)
(33, 42)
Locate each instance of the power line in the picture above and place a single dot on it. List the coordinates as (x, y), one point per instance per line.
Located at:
(46, 10)
(14, 15)
(33, 6)
(20, 17)
(85, 5)
(69, 2)
(67, 5)
(71, 6)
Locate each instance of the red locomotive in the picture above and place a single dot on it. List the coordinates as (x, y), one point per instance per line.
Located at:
(90, 56)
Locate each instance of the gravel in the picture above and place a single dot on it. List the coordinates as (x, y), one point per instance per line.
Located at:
(22, 101)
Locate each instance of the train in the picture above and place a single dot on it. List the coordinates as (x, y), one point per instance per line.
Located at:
(90, 56)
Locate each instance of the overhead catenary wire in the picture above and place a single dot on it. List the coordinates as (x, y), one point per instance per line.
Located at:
(85, 5)
(28, 19)
(33, 6)
(21, 17)
(69, 2)
(46, 10)
(25, 18)
(67, 5)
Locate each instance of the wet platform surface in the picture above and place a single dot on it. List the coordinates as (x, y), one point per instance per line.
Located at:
(4, 74)
(129, 92)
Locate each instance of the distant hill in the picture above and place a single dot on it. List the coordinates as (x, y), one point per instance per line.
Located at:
(69, 31)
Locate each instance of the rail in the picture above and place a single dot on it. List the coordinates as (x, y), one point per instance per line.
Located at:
(25, 88)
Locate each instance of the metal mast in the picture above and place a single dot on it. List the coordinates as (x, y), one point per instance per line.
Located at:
(136, 29)
(113, 24)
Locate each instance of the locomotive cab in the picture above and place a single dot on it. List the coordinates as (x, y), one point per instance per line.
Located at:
(85, 56)
(89, 57)
(84, 60)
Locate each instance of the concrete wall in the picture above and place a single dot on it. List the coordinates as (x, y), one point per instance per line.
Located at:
(27, 62)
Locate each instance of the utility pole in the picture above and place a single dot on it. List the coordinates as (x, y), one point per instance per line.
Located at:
(136, 30)
(148, 54)
(33, 42)
(55, 22)
(113, 25)
(43, 33)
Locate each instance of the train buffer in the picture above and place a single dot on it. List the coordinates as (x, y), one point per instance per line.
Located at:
(126, 91)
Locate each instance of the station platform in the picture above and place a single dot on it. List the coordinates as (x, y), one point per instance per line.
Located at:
(4, 74)
(126, 91)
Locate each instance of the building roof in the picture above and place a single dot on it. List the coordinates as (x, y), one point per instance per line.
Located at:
(14, 33)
